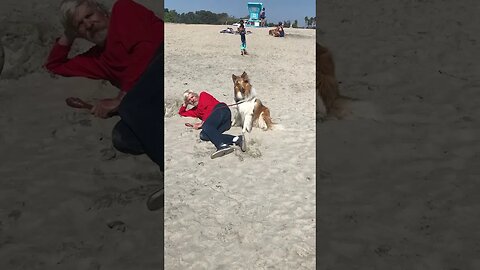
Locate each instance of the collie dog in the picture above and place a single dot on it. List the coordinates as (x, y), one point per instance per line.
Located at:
(327, 85)
(250, 110)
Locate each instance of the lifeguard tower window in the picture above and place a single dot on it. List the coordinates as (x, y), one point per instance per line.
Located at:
(254, 9)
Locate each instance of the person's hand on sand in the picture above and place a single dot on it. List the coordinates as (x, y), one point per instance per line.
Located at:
(105, 107)
(194, 126)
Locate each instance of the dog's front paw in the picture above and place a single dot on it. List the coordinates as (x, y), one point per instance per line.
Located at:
(247, 129)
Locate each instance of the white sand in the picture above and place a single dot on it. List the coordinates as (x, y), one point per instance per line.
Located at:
(399, 189)
(62, 183)
(253, 210)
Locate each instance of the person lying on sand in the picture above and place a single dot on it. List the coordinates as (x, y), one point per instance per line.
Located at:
(128, 52)
(216, 119)
(278, 31)
(229, 30)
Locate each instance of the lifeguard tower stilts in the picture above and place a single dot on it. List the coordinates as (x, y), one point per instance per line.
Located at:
(254, 9)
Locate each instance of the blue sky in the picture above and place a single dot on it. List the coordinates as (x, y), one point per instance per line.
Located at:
(276, 10)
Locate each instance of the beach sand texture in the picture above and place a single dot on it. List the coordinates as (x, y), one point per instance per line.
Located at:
(252, 210)
(68, 200)
(398, 179)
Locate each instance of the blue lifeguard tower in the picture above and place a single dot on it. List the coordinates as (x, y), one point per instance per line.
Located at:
(254, 9)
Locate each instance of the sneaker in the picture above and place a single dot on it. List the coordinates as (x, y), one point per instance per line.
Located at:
(241, 143)
(156, 200)
(222, 151)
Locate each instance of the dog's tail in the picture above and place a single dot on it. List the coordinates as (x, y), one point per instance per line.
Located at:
(262, 116)
(265, 121)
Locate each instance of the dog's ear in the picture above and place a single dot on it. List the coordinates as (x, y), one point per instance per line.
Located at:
(245, 76)
(234, 78)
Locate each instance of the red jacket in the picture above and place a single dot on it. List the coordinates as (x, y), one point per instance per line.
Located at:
(134, 35)
(206, 103)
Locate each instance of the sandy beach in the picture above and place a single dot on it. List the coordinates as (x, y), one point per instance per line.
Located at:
(397, 182)
(68, 199)
(252, 210)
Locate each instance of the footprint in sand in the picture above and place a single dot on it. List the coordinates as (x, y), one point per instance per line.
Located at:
(108, 154)
(15, 214)
(123, 198)
(253, 148)
(118, 225)
(81, 118)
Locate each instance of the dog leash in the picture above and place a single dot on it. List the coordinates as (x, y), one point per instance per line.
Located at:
(223, 106)
(242, 101)
(229, 105)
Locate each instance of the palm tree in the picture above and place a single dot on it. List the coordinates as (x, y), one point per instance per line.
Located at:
(306, 21)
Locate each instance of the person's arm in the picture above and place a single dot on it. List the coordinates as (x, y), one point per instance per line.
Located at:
(84, 65)
(187, 113)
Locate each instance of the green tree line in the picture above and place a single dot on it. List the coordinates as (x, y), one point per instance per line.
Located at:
(208, 17)
(198, 17)
(310, 22)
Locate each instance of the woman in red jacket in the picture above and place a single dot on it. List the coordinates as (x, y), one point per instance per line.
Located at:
(216, 119)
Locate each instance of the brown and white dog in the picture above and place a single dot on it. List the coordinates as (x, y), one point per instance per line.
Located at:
(327, 86)
(250, 110)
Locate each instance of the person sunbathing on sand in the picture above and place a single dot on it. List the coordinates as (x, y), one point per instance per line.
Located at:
(128, 52)
(278, 31)
(216, 119)
(229, 30)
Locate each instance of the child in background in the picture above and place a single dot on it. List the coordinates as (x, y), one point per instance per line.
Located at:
(243, 32)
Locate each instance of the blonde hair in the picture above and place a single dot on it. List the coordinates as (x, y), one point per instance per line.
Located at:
(186, 93)
(68, 8)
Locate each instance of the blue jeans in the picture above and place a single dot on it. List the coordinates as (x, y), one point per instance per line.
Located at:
(140, 130)
(243, 46)
(219, 121)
